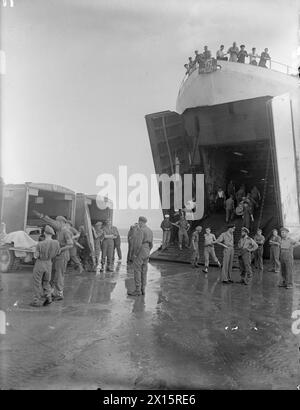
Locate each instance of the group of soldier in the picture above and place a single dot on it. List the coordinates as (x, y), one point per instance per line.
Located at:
(250, 250)
(52, 255)
(235, 53)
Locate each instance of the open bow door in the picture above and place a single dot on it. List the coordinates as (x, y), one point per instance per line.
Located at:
(284, 161)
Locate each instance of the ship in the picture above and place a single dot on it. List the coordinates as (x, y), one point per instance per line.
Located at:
(238, 122)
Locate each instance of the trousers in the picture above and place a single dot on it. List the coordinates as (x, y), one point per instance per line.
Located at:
(245, 266)
(182, 234)
(258, 260)
(209, 251)
(287, 265)
(41, 279)
(166, 239)
(140, 268)
(60, 267)
(228, 254)
(107, 252)
(74, 257)
(274, 257)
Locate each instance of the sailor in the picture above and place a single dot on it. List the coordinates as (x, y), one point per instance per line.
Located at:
(275, 251)
(229, 208)
(192, 65)
(45, 252)
(240, 194)
(141, 252)
(247, 214)
(73, 251)
(226, 240)
(206, 53)
(183, 227)
(242, 54)
(109, 234)
(186, 66)
(253, 56)
(195, 246)
(233, 52)
(246, 245)
(98, 238)
(166, 227)
(287, 246)
(209, 249)
(221, 55)
(64, 238)
(130, 237)
(258, 254)
(117, 244)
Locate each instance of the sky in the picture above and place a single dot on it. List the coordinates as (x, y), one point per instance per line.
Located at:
(80, 76)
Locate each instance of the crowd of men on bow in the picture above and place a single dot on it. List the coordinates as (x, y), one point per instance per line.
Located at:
(72, 245)
(234, 54)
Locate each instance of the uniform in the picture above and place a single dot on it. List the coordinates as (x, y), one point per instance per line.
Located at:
(246, 245)
(117, 244)
(287, 261)
(227, 239)
(166, 227)
(275, 253)
(98, 238)
(108, 246)
(60, 263)
(183, 226)
(209, 249)
(142, 248)
(247, 215)
(46, 251)
(258, 254)
(195, 242)
(64, 238)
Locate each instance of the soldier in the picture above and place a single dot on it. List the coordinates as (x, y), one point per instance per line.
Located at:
(258, 254)
(64, 238)
(141, 252)
(130, 235)
(109, 234)
(73, 251)
(209, 249)
(287, 246)
(275, 251)
(183, 227)
(195, 246)
(226, 240)
(117, 244)
(45, 252)
(246, 245)
(98, 238)
(85, 253)
(166, 227)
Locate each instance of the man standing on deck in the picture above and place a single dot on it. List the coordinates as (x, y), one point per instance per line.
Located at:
(258, 254)
(141, 252)
(246, 245)
(109, 235)
(195, 246)
(229, 208)
(64, 238)
(226, 240)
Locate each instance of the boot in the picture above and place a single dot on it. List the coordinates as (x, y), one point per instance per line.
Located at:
(48, 301)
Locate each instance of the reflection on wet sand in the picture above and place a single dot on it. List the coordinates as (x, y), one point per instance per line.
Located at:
(188, 331)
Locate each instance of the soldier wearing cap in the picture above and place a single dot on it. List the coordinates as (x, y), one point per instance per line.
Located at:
(64, 238)
(258, 254)
(98, 238)
(275, 251)
(166, 227)
(45, 252)
(287, 246)
(141, 251)
(226, 240)
(246, 245)
(130, 238)
(195, 246)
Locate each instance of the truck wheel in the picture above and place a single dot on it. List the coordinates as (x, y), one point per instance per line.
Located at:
(7, 260)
